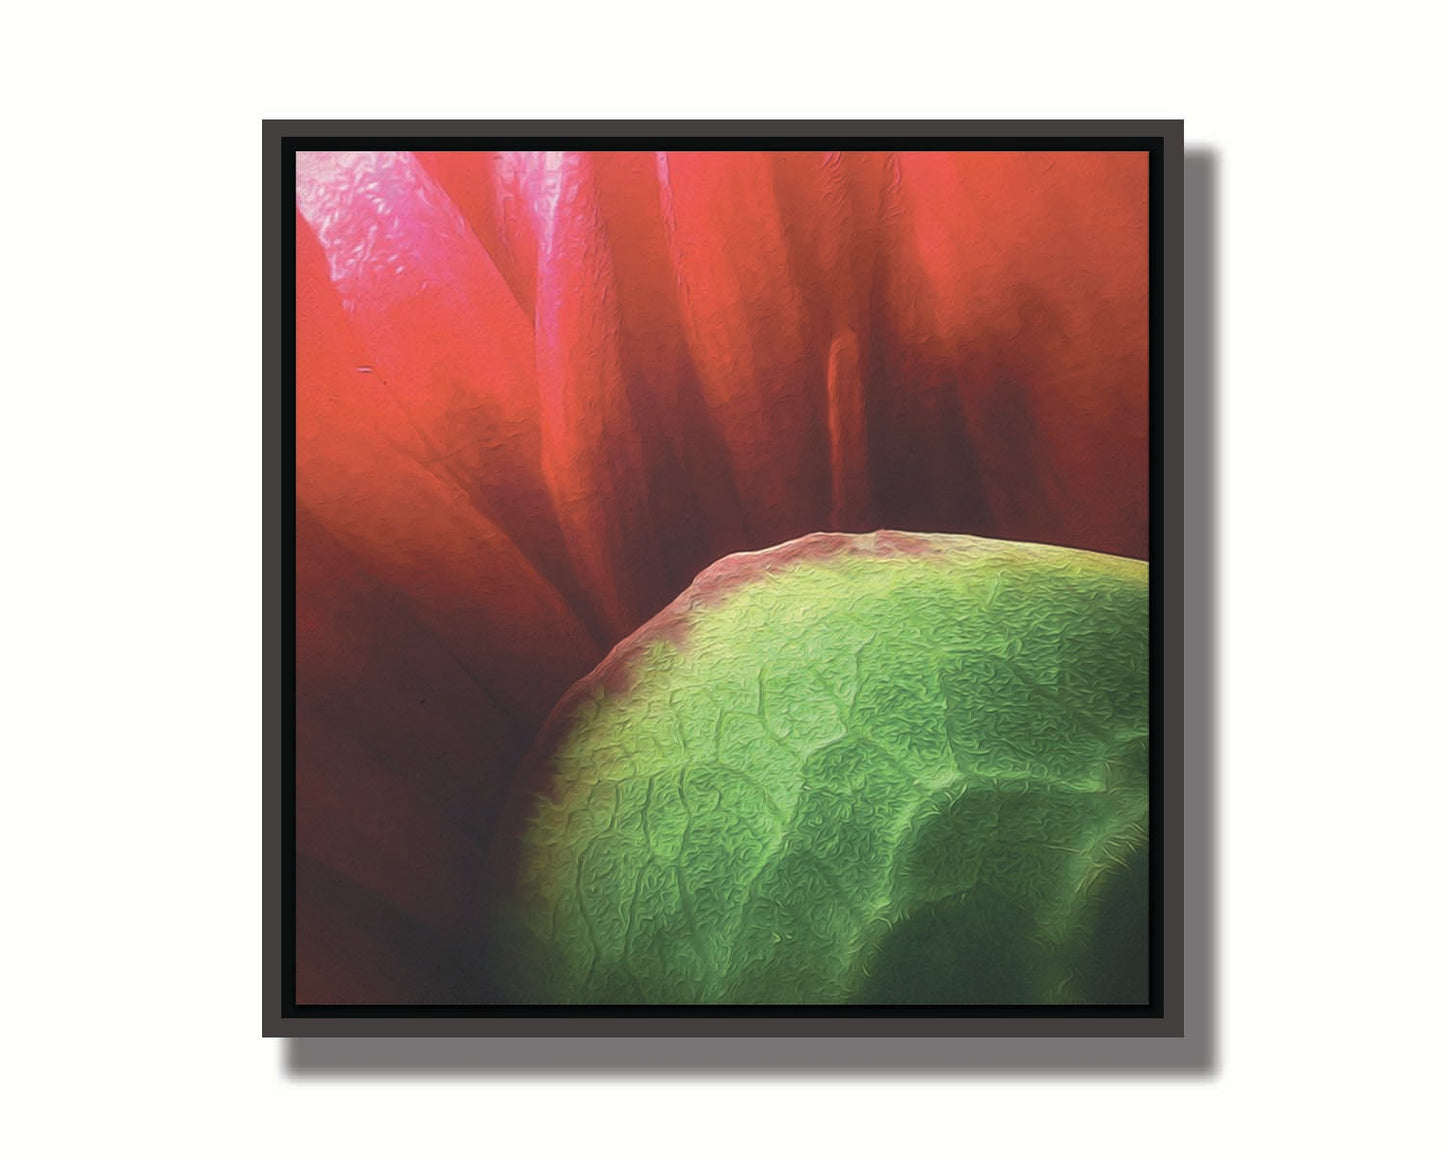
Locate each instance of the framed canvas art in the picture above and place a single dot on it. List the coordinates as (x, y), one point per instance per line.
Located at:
(723, 578)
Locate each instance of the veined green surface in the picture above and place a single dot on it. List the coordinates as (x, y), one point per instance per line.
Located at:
(881, 768)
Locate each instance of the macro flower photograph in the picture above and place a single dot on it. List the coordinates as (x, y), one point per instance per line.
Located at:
(722, 578)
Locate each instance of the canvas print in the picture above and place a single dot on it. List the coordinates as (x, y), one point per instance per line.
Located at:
(722, 578)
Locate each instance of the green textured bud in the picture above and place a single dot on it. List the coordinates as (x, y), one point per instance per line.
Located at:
(885, 768)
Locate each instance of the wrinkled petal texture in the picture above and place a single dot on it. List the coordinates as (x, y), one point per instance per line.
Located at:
(538, 393)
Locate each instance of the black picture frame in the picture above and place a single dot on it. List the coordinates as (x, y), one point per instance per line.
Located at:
(1163, 1017)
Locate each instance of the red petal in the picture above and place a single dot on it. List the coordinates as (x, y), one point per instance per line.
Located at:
(690, 480)
(449, 342)
(489, 190)
(414, 528)
(761, 364)
(591, 452)
(1020, 289)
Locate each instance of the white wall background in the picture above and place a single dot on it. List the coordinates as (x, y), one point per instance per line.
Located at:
(131, 472)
